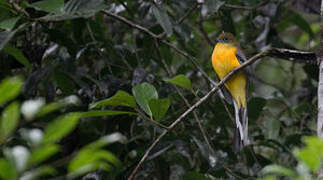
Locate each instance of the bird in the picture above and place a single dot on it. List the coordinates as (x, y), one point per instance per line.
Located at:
(226, 56)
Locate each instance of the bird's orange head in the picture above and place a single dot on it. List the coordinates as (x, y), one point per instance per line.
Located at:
(226, 37)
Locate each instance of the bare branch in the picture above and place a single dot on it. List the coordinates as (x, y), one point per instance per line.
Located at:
(293, 55)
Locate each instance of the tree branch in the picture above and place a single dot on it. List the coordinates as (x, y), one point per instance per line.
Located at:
(293, 55)
(189, 110)
(320, 91)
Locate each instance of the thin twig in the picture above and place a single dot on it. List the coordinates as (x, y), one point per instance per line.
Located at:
(126, 21)
(187, 13)
(203, 131)
(189, 110)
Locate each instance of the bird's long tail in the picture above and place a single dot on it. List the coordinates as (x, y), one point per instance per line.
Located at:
(241, 128)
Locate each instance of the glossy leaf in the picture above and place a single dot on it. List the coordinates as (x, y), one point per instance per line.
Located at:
(180, 80)
(5, 37)
(60, 127)
(163, 19)
(121, 98)
(52, 6)
(159, 107)
(10, 88)
(9, 119)
(76, 9)
(99, 113)
(17, 54)
(143, 93)
(9, 24)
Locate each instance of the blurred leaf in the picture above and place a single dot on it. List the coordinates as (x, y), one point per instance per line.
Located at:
(38, 172)
(270, 178)
(76, 9)
(272, 128)
(213, 5)
(104, 113)
(255, 106)
(17, 54)
(9, 120)
(91, 157)
(51, 6)
(227, 22)
(5, 37)
(277, 169)
(297, 19)
(48, 108)
(121, 98)
(86, 156)
(9, 24)
(10, 88)
(163, 19)
(60, 127)
(180, 80)
(64, 82)
(194, 176)
(106, 140)
(312, 154)
(159, 107)
(143, 93)
(7, 171)
(42, 153)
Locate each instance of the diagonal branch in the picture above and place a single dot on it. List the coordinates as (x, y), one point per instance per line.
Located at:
(189, 110)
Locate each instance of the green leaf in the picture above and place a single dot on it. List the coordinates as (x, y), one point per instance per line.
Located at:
(38, 172)
(61, 127)
(255, 106)
(295, 18)
(9, 24)
(272, 128)
(48, 108)
(9, 120)
(277, 169)
(163, 19)
(191, 175)
(64, 82)
(159, 107)
(5, 37)
(51, 6)
(90, 156)
(10, 88)
(143, 93)
(180, 80)
(121, 98)
(76, 9)
(7, 170)
(42, 153)
(312, 154)
(17, 54)
(104, 113)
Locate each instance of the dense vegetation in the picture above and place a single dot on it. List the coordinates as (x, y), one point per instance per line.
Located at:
(88, 85)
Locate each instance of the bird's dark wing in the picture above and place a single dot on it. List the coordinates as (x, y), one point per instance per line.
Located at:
(242, 58)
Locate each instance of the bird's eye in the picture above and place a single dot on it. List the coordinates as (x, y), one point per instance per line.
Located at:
(225, 39)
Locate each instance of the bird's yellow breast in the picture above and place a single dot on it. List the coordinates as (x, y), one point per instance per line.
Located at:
(224, 60)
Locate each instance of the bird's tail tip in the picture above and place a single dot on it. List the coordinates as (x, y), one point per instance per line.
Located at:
(241, 130)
